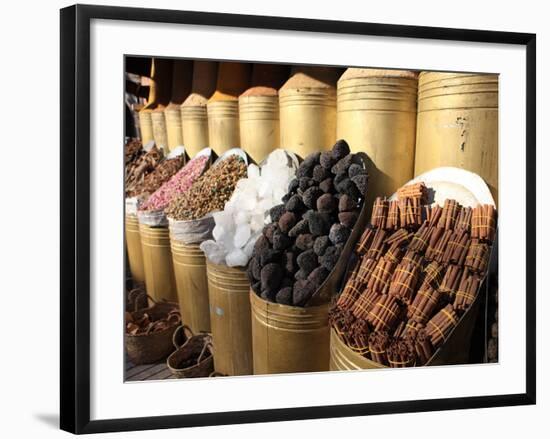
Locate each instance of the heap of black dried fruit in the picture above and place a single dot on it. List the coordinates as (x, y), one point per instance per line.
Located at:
(296, 252)
(276, 212)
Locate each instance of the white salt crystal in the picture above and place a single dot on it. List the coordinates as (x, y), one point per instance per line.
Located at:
(236, 258)
(242, 234)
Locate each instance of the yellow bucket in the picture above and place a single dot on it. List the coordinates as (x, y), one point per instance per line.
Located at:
(133, 246)
(458, 124)
(288, 339)
(259, 125)
(192, 286)
(230, 319)
(376, 114)
(174, 131)
(307, 108)
(159, 128)
(194, 123)
(342, 357)
(223, 125)
(157, 263)
(146, 126)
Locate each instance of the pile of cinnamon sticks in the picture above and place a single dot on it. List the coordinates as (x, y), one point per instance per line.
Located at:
(419, 270)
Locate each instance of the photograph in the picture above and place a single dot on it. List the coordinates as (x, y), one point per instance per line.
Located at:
(292, 218)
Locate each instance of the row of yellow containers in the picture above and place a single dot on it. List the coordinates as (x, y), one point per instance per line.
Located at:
(250, 335)
(217, 299)
(406, 124)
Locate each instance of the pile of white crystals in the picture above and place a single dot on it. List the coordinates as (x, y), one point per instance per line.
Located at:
(247, 211)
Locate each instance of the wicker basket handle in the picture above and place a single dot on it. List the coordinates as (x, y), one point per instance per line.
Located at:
(187, 332)
(206, 345)
(135, 297)
(150, 298)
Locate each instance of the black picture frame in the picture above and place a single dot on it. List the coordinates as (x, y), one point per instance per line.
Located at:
(75, 217)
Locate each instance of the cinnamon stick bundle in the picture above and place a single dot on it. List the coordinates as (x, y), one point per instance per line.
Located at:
(392, 222)
(400, 353)
(365, 270)
(394, 253)
(466, 293)
(451, 279)
(349, 296)
(423, 348)
(449, 215)
(457, 249)
(385, 313)
(365, 241)
(477, 258)
(378, 343)
(379, 212)
(379, 279)
(441, 325)
(403, 282)
(421, 239)
(484, 220)
(436, 252)
(433, 274)
(464, 220)
(341, 320)
(377, 245)
(400, 237)
(359, 337)
(410, 212)
(364, 304)
(411, 329)
(416, 190)
(424, 304)
(433, 213)
(413, 258)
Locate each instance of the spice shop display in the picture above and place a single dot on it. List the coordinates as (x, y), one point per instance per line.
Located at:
(138, 169)
(414, 280)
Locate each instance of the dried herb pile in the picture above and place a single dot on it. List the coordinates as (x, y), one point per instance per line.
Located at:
(300, 247)
(419, 270)
(210, 192)
(137, 170)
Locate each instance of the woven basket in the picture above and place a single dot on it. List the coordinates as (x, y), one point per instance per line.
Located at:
(197, 346)
(155, 346)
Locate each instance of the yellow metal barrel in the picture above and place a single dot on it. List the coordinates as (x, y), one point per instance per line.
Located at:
(194, 123)
(287, 339)
(133, 247)
(259, 124)
(174, 131)
(192, 286)
(157, 263)
(376, 114)
(159, 128)
(458, 124)
(230, 319)
(223, 125)
(146, 125)
(307, 109)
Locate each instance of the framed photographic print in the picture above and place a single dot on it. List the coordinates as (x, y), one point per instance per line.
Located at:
(285, 218)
